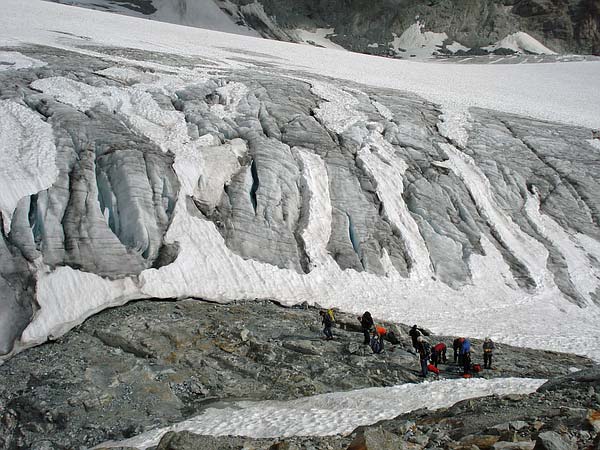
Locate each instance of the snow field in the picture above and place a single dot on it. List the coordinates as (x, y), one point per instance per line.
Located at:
(544, 91)
(335, 413)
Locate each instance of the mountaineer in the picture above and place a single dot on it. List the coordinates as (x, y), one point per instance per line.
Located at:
(327, 324)
(488, 351)
(465, 356)
(424, 350)
(414, 334)
(366, 323)
(438, 354)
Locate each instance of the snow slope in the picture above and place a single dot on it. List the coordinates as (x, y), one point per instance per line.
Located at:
(330, 414)
(562, 92)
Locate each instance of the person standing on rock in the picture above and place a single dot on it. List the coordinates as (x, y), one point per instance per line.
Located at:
(456, 345)
(327, 324)
(414, 334)
(465, 354)
(366, 323)
(488, 351)
(424, 350)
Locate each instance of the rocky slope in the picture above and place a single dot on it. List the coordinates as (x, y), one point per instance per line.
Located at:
(152, 363)
(564, 26)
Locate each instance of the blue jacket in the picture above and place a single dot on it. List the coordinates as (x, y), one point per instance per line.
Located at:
(466, 347)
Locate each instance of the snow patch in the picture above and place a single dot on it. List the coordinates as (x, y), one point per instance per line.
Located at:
(319, 37)
(414, 41)
(454, 125)
(595, 143)
(335, 413)
(456, 46)
(337, 113)
(165, 127)
(16, 61)
(27, 156)
(318, 229)
(230, 94)
(521, 42)
(67, 297)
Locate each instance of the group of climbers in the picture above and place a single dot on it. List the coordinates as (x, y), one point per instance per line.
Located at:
(429, 357)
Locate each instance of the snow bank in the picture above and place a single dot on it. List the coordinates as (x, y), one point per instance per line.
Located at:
(27, 156)
(61, 295)
(521, 42)
(335, 413)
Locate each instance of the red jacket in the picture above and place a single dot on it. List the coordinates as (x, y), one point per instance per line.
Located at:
(440, 347)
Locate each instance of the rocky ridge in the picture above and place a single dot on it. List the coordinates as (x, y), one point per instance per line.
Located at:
(152, 363)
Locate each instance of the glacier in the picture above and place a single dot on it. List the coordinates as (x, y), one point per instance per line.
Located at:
(173, 162)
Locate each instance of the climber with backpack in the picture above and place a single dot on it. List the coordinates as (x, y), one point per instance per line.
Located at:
(465, 355)
(414, 334)
(424, 350)
(488, 351)
(366, 323)
(456, 345)
(327, 324)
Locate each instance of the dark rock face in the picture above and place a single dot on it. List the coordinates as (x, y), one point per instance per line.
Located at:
(17, 285)
(151, 363)
(565, 25)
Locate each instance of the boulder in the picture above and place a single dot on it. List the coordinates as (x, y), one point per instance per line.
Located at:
(550, 440)
(377, 439)
(525, 445)
(483, 442)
